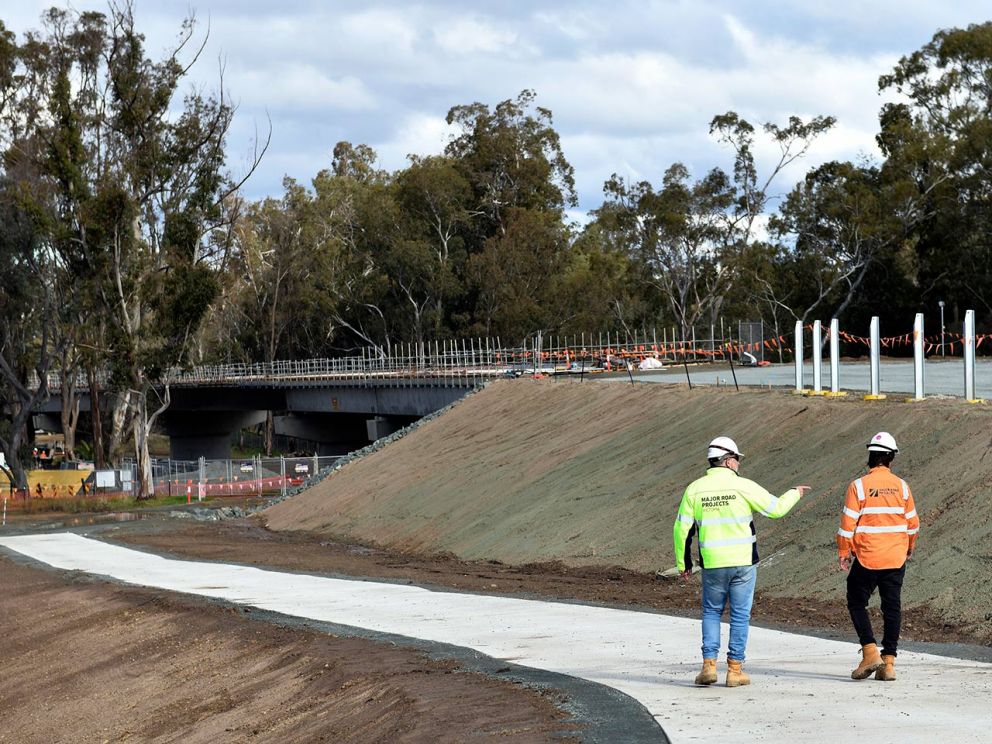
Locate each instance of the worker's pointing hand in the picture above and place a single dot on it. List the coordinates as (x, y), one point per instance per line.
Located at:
(802, 490)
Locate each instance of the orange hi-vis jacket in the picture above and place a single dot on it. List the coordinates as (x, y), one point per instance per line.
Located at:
(879, 522)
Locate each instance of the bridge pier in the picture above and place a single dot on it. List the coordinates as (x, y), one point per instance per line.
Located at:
(46, 422)
(331, 414)
(382, 426)
(338, 433)
(194, 434)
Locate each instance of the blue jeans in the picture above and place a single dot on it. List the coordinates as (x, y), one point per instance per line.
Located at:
(735, 583)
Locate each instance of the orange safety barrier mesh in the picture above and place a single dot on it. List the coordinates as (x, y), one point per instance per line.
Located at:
(952, 342)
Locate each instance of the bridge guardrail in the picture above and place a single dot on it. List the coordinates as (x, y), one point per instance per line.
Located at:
(448, 363)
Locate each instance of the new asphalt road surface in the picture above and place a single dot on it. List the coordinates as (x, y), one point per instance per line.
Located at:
(896, 377)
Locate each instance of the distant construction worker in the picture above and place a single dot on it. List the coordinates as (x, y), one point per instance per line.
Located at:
(877, 535)
(719, 508)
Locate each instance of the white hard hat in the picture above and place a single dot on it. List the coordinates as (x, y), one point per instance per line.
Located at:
(721, 447)
(883, 442)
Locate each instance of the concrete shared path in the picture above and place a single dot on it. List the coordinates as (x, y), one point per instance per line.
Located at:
(800, 691)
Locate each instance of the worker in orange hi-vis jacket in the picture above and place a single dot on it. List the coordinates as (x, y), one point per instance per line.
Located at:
(877, 535)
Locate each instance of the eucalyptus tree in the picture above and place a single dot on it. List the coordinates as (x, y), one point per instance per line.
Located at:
(602, 289)
(678, 232)
(31, 274)
(939, 138)
(359, 223)
(521, 184)
(512, 157)
(517, 274)
(692, 235)
(133, 175)
(437, 212)
(28, 346)
(836, 224)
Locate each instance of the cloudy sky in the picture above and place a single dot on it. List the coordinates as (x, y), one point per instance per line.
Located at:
(632, 85)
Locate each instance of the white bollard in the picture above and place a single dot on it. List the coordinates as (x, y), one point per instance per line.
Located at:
(875, 361)
(969, 356)
(835, 358)
(817, 354)
(918, 380)
(799, 356)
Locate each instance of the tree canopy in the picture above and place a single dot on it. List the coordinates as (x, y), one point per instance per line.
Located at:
(126, 247)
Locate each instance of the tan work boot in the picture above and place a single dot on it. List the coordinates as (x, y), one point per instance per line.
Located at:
(871, 661)
(735, 674)
(887, 673)
(708, 674)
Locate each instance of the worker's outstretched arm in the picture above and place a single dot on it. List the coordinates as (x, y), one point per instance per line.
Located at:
(765, 503)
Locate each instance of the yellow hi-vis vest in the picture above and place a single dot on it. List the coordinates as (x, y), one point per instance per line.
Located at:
(718, 509)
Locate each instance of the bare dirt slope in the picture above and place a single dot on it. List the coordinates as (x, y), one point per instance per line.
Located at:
(86, 661)
(588, 473)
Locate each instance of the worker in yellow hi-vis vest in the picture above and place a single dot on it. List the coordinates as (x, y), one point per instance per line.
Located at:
(718, 509)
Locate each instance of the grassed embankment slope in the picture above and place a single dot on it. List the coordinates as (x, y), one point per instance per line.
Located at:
(533, 470)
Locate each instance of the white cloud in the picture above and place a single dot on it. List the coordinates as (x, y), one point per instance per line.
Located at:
(419, 134)
(381, 30)
(636, 112)
(470, 35)
(574, 23)
(632, 85)
(301, 87)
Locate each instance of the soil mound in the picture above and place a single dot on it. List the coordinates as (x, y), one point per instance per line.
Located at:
(88, 661)
(591, 474)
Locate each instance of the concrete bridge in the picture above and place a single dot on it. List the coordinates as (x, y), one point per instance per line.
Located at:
(336, 405)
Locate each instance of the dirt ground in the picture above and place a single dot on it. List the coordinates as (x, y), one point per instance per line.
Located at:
(590, 474)
(88, 661)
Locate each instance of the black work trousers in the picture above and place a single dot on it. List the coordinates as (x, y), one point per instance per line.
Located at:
(861, 583)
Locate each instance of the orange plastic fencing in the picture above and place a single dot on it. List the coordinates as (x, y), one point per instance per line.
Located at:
(952, 343)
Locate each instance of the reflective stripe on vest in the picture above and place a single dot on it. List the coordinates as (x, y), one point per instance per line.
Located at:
(723, 543)
(859, 487)
(883, 510)
(771, 507)
(911, 514)
(851, 513)
(845, 533)
(742, 519)
(905, 490)
(875, 530)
